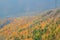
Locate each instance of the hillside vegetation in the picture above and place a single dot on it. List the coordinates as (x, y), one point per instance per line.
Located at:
(40, 27)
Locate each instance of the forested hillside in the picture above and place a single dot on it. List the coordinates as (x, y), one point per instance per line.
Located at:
(39, 27)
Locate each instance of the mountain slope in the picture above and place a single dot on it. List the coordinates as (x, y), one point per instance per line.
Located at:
(44, 26)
